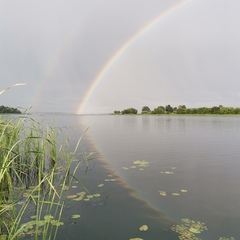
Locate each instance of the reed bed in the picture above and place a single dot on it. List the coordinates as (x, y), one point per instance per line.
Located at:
(35, 172)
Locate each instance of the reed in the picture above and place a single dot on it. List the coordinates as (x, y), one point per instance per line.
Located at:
(35, 172)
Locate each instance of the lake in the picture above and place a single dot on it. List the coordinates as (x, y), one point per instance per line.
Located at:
(179, 175)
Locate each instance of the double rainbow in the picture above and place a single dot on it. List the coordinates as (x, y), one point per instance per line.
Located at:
(124, 47)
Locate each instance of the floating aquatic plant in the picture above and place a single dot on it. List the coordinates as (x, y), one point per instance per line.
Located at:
(37, 226)
(76, 216)
(71, 196)
(141, 163)
(176, 194)
(80, 196)
(143, 228)
(110, 180)
(163, 193)
(97, 195)
(167, 172)
(226, 238)
(188, 228)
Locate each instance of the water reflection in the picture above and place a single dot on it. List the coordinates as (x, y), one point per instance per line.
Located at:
(197, 154)
(204, 161)
(118, 213)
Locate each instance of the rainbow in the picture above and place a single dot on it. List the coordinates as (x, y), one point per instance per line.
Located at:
(124, 47)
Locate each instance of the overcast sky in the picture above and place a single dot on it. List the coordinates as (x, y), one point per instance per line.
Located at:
(59, 47)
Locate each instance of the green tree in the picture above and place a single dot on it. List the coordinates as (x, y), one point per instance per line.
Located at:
(146, 110)
(4, 109)
(203, 110)
(116, 112)
(182, 106)
(192, 110)
(215, 110)
(129, 111)
(159, 110)
(180, 110)
(168, 109)
(236, 110)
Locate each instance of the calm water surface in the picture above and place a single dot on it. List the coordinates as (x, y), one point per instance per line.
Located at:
(198, 154)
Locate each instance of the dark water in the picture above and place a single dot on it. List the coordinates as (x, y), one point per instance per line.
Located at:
(197, 154)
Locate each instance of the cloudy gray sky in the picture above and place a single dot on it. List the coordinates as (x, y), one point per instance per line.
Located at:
(59, 47)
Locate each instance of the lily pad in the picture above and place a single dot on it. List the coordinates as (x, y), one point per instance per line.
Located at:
(101, 185)
(175, 194)
(135, 239)
(141, 163)
(163, 193)
(71, 196)
(188, 229)
(143, 228)
(65, 188)
(57, 223)
(194, 230)
(184, 190)
(47, 218)
(96, 195)
(41, 223)
(34, 231)
(226, 238)
(167, 172)
(81, 196)
(76, 216)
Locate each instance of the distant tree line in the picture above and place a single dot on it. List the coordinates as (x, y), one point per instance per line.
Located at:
(4, 109)
(182, 109)
(127, 111)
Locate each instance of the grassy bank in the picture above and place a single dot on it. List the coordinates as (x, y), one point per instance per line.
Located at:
(35, 172)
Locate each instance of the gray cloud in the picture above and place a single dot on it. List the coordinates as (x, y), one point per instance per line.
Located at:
(59, 47)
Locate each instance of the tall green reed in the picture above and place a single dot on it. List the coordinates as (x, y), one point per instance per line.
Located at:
(35, 171)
